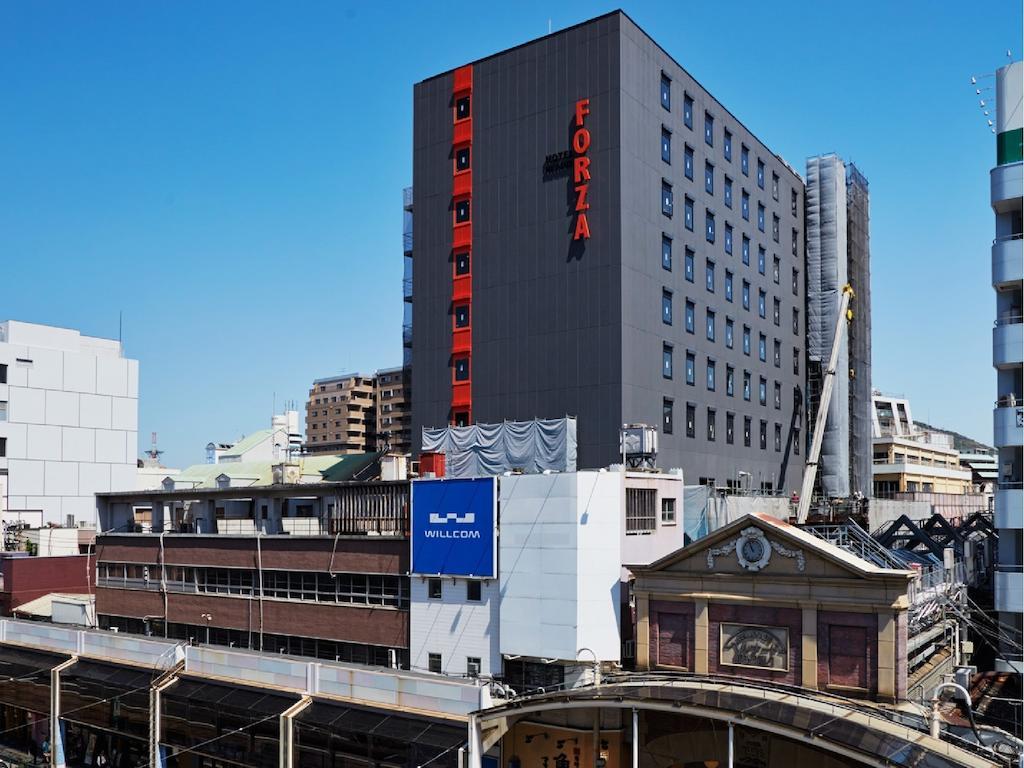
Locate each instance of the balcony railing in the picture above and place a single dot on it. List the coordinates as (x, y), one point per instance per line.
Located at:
(407, 288)
(1011, 400)
(1005, 238)
(1010, 318)
(407, 242)
(407, 335)
(407, 197)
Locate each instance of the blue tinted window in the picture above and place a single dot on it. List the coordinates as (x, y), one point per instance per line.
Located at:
(687, 111)
(688, 214)
(745, 205)
(727, 146)
(666, 146)
(728, 239)
(746, 340)
(728, 333)
(728, 285)
(745, 160)
(690, 312)
(666, 307)
(710, 325)
(688, 161)
(666, 253)
(746, 250)
(666, 92)
(711, 375)
(709, 130)
(709, 275)
(691, 365)
(666, 361)
(688, 265)
(728, 192)
(709, 219)
(709, 178)
(666, 198)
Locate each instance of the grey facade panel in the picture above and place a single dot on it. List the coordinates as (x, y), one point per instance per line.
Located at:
(559, 330)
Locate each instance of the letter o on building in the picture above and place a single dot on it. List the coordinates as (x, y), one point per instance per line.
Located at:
(581, 141)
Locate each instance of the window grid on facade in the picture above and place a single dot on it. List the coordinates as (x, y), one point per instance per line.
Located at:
(641, 511)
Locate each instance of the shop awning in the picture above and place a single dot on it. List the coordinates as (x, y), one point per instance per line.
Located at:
(337, 717)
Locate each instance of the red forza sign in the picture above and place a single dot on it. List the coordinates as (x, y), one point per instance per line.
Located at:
(581, 169)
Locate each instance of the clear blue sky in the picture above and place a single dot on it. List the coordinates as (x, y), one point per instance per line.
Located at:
(229, 176)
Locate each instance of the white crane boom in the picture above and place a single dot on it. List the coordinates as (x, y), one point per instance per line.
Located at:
(828, 382)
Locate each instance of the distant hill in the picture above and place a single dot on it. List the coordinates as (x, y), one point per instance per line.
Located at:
(961, 443)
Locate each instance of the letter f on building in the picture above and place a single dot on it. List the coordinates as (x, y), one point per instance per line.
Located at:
(582, 109)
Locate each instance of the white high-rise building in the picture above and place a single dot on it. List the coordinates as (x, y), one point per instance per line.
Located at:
(69, 408)
(1007, 195)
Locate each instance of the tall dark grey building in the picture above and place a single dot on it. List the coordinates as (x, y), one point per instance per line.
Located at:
(597, 236)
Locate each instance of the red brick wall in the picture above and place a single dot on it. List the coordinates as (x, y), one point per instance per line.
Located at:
(848, 650)
(792, 618)
(26, 578)
(671, 627)
(354, 624)
(363, 554)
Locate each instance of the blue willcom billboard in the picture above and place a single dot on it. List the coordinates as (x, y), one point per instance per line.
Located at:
(453, 527)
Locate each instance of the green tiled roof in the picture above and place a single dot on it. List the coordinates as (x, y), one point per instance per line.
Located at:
(250, 442)
(330, 468)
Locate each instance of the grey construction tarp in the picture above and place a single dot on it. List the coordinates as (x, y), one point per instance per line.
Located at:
(826, 276)
(492, 449)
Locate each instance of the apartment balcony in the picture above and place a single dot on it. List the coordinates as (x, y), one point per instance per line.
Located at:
(1010, 588)
(1008, 341)
(1008, 425)
(407, 198)
(1007, 260)
(1007, 181)
(1009, 505)
(407, 335)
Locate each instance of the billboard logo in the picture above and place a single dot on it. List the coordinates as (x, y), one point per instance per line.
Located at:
(453, 527)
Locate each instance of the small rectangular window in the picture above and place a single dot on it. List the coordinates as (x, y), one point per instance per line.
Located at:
(3, 447)
(746, 431)
(688, 214)
(462, 108)
(709, 129)
(666, 307)
(688, 265)
(711, 325)
(728, 332)
(727, 186)
(796, 281)
(775, 228)
(666, 198)
(711, 424)
(745, 205)
(691, 420)
(728, 239)
(462, 316)
(777, 353)
(744, 159)
(763, 441)
(711, 376)
(462, 264)
(3, 373)
(776, 311)
(760, 173)
(776, 269)
(691, 365)
(762, 391)
(778, 438)
(461, 211)
(728, 285)
(760, 217)
(745, 295)
(462, 369)
(666, 252)
(689, 319)
(762, 348)
(666, 416)
(462, 159)
(777, 396)
(727, 145)
(668, 511)
(775, 185)
(434, 589)
(666, 92)
(709, 275)
(688, 111)
(709, 178)
(793, 201)
(730, 425)
(709, 221)
(760, 260)
(795, 247)
(746, 340)
(688, 162)
(796, 321)
(730, 381)
(746, 385)
(796, 361)
(434, 663)
(666, 145)
(473, 591)
(473, 666)
(762, 300)
(746, 250)
(666, 361)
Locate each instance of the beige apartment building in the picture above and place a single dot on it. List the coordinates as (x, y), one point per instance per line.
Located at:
(359, 413)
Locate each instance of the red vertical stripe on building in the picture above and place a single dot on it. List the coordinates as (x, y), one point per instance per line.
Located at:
(462, 243)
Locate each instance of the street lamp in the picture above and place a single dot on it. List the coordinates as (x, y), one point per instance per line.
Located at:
(209, 618)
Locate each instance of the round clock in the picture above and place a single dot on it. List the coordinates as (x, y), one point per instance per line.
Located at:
(752, 549)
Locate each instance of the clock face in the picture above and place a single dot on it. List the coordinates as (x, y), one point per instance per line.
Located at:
(752, 550)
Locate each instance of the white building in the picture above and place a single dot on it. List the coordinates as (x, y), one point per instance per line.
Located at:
(281, 441)
(559, 584)
(1007, 198)
(68, 422)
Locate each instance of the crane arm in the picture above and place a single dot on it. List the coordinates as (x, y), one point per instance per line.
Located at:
(828, 382)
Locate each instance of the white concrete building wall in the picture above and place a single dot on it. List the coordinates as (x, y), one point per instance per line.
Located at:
(454, 626)
(72, 421)
(559, 562)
